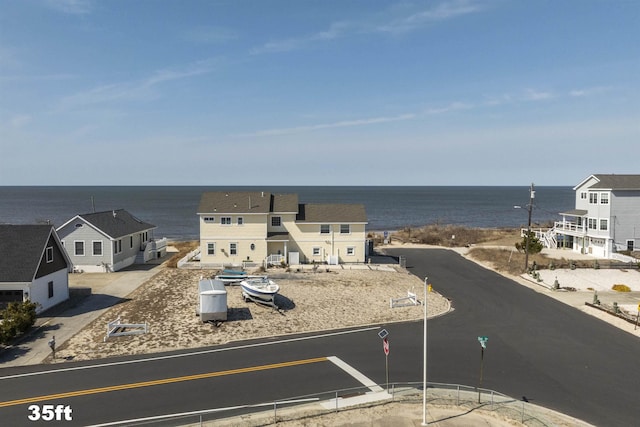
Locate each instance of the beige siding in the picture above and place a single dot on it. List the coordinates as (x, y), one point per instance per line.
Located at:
(308, 236)
(257, 230)
(253, 230)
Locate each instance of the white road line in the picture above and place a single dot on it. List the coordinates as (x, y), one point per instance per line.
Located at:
(195, 353)
(355, 374)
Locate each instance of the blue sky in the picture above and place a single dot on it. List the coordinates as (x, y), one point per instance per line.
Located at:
(302, 92)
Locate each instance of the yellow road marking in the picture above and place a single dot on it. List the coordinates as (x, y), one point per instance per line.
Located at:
(160, 382)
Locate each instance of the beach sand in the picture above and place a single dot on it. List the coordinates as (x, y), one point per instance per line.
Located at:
(308, 301)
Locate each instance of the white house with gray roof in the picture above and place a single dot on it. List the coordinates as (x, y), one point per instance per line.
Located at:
(33, 266)
(239, 227)
(606, 218)
(109, 241)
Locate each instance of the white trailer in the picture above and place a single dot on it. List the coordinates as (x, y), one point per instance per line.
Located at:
(213, 300)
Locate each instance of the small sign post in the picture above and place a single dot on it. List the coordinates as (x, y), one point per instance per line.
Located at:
(385, 347)
(483, 344)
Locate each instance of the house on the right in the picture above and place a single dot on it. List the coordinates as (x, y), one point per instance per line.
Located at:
(606, 218)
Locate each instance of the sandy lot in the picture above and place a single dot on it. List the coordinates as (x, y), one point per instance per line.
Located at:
(308, 301)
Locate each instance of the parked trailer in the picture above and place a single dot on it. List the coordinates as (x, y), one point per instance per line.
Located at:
(213, 300)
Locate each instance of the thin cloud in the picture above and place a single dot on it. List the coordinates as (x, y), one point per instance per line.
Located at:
(72, 7)
(20, 120)
(534, 95)
(588, 91)
(138, 90)
(441, 12)
(210, 35)
(340, 124)
(335, 30)
(454, 106)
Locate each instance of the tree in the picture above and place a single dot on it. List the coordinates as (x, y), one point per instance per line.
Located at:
(17, 318)
(535, 245)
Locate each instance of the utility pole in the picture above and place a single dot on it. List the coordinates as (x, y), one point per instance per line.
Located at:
(532, 195)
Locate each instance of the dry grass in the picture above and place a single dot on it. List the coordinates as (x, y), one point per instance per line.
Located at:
(451, 235)
(511, 261)
(621, 287)
(183, 249)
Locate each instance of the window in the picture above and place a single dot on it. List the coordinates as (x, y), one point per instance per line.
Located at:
(49, 254)
(240, 220)
(325, 229)
(211, 248)
(233, 248)
(316, 251)
(583, 195)
(593, 223)
(604, 224)
(276, 221)
(593, 198)
(131, 242)
(604, 198)
(351, 250)
(345, 229)
(225, 220)
(97, 248)
(50, 286)
(117, 246)
(78, 248)
(78, 225)
(209, 219)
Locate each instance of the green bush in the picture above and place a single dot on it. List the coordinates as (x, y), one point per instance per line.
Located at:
(17, 318)
(535, 245)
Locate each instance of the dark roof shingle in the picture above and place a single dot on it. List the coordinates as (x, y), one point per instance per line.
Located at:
(117, 223)
(617, 182)
(21, 249)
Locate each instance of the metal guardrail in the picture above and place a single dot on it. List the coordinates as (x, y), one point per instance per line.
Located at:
(466, 398)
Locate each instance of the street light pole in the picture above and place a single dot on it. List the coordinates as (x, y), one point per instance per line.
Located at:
(532, 195)
(424, 365)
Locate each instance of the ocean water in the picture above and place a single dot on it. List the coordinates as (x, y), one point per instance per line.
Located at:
(173, 209)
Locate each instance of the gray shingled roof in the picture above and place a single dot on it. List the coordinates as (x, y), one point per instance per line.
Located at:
(244, 202)
(117, 223)
(617, 182)
(21, 249)
(331, 213)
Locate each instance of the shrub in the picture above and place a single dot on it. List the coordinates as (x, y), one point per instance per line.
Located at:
(621, 288)
(535, 245)
(17, 318)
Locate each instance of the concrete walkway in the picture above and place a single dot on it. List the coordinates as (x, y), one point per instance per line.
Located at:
(69, 318)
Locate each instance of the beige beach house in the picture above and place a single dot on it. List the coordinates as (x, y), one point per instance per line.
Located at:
(239, 228)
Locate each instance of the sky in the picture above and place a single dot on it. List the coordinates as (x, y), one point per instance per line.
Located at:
(318, 92)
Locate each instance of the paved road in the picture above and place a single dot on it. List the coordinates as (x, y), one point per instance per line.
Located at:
(552, 354)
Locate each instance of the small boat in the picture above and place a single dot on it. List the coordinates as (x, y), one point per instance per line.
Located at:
(231, 278)
(261, 289)
(235, 276)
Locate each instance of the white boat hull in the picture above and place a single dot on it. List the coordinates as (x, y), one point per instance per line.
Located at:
(263, 288)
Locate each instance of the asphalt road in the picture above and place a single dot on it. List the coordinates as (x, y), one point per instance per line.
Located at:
(551, 353)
